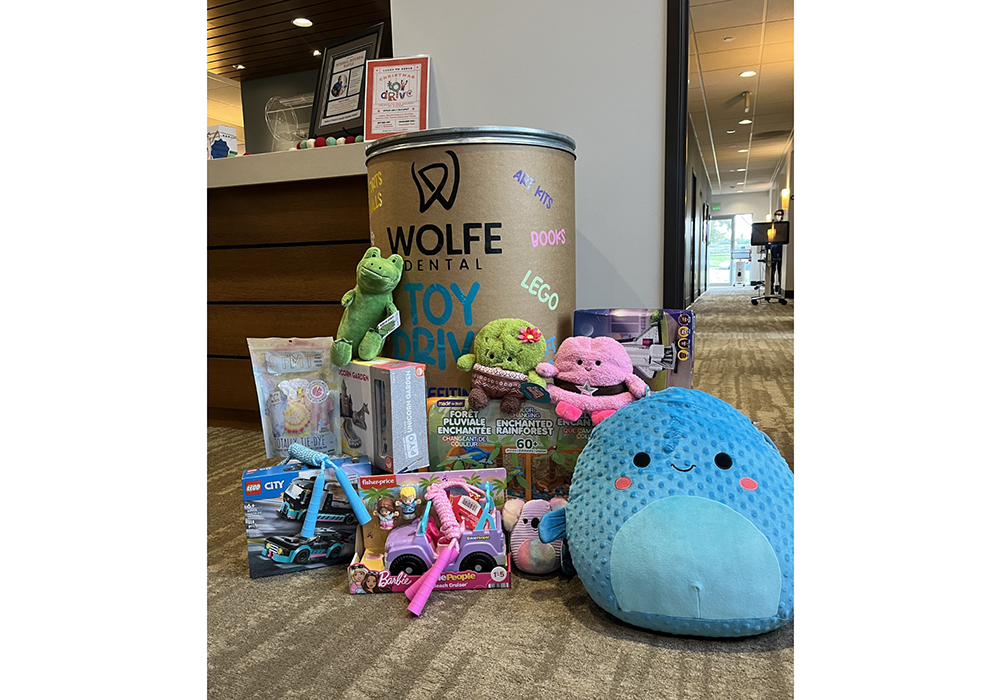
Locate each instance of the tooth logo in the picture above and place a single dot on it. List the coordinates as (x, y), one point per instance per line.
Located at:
(435, 192)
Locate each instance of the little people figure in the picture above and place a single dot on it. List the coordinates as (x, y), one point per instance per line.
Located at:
(408, 502)
(386, 512)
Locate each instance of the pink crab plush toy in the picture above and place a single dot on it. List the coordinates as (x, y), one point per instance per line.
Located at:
(591, 375)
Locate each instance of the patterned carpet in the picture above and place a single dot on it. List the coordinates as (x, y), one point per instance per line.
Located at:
(302, 636)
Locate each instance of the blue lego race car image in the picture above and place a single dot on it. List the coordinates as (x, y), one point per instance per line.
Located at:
(335, 507)
(293, 549)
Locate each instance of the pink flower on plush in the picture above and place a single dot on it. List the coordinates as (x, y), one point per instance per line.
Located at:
(591, 375)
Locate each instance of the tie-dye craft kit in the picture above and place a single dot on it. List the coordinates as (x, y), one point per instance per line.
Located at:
(274, 507)
(297, 393)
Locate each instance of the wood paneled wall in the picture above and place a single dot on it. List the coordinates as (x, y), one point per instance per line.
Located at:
(280, 257)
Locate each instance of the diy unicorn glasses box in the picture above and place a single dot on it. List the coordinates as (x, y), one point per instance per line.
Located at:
(382, 413)
(407, 534)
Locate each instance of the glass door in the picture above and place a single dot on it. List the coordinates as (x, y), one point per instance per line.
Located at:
(741, 253)
(720, 248)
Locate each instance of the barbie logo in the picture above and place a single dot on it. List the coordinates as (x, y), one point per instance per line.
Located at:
(386, 579)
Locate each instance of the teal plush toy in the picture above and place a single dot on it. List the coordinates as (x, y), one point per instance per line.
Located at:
(680, 519)
(367, 307)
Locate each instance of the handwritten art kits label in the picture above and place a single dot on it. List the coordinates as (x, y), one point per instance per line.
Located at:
(478, 240)
(397, 96)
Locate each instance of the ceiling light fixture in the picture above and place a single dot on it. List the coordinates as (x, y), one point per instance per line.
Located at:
(745, 121)
(743, 150)
(731, 131)
(741, 170)
(741, 183)
(302, 22)
(239, 67)
(317, 52)
(727, 38)
(748, 74)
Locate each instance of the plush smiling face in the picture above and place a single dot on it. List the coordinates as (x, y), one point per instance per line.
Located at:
(498, 345)
(601, 361)
(680, 518)
(377, 275)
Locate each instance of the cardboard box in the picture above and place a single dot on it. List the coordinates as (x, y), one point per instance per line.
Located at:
(383, 414)
(537, 448)
(659, 341)
(221, 142)
(274, 503)
(390, 560)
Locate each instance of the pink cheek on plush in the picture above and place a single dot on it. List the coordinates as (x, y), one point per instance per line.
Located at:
(624, 482)
(748, 483)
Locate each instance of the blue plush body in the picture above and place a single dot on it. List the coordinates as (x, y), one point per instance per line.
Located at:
(680, 519)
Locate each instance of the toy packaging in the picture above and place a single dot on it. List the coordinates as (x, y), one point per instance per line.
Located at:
(431, 531)
(536, 447)
(275, 500)
(221, 142)
(382, 413)
(659, 341)
(297, 393)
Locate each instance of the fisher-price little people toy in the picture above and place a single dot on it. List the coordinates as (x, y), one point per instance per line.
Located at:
(680, 519)
(369, 314)
(504, 355)
(408, 503)
(472, 542)
(591, 375)
(307, 545)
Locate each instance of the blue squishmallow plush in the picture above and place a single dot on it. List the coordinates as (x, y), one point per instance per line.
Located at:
(680, 519)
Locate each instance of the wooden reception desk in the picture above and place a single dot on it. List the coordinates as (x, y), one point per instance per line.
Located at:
(285, 234)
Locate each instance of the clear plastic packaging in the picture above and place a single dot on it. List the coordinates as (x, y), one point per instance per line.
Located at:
(298, 394)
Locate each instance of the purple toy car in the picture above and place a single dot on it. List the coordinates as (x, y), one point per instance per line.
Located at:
(411, 550)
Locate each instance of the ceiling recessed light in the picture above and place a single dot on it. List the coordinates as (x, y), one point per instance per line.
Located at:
(745, 121)
(731, 131)
(748, 74)
(239, 67)
(741, 183)
(727, 38)
(743, 150)
(741, 170)
(302, 22)
(317, 52)
(732, 171)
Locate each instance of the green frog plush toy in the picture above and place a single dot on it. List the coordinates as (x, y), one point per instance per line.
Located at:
(504, 355)
(369, 314)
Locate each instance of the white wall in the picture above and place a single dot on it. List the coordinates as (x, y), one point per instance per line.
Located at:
(592, 71)
(756, 203)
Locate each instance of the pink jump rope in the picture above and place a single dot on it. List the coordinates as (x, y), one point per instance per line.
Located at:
(450, 530)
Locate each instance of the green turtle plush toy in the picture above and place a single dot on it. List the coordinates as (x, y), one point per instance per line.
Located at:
(504, 355)
(369, 314)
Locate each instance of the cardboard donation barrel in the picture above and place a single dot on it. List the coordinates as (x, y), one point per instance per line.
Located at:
(485, 221)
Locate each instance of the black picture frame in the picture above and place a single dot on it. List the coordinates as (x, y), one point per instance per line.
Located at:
(334, 113)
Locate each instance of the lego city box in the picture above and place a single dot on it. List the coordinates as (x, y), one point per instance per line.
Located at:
(274, 505)
(383, 414)
(659, 341)
(402, 540)
(536, 448)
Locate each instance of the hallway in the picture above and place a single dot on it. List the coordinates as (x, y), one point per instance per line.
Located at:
(744, 355)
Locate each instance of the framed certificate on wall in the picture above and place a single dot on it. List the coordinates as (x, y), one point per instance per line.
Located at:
(397, 96)
(339, 103)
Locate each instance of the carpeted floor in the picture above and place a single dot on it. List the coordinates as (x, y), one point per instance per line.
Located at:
(302, 636)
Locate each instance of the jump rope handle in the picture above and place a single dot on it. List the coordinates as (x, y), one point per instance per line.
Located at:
(322, 461)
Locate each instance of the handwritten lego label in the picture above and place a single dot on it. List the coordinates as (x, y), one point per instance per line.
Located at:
(539, 288)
